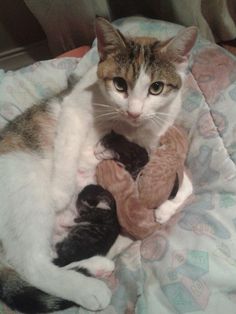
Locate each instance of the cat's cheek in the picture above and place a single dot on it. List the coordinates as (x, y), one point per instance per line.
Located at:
(120, 99)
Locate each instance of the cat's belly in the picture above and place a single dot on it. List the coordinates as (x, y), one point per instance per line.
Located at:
(86, 173)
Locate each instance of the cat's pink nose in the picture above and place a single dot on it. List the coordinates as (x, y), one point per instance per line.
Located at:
(133, 115)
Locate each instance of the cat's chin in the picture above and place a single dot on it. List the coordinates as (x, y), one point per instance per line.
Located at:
(133, 123)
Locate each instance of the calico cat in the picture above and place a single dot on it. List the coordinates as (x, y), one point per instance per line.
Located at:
(47, 153)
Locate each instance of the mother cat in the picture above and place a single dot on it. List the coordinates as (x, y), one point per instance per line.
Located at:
(134, 90)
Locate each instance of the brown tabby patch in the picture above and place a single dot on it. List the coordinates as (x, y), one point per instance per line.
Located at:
(32, 130)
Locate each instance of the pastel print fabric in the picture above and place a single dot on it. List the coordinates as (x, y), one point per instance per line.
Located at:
(189, 265)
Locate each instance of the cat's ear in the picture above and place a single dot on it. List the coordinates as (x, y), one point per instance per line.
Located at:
(109, 39)
(177, 49)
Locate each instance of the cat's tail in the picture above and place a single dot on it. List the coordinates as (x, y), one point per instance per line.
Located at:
(20, 296)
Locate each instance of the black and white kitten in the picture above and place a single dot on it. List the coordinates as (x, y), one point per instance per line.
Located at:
(96, 227)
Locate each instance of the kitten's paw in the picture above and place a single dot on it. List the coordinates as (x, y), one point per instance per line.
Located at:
(165, 212)
(95, 296)
(102, 153)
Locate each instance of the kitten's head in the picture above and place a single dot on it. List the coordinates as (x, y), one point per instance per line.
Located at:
(142, 76)
(94, 197)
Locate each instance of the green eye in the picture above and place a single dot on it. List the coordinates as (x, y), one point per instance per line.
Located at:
(156, 88)
(120, 84)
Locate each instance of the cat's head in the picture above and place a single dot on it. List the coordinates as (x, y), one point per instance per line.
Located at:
(142, 76)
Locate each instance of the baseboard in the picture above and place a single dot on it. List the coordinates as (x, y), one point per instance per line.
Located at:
(22, 56)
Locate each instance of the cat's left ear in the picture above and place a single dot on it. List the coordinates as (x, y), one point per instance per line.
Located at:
(178, 48)
(109, 38)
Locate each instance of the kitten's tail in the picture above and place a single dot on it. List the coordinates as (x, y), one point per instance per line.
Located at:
(20, 296)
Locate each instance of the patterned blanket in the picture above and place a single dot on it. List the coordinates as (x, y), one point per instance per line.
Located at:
(190, 265)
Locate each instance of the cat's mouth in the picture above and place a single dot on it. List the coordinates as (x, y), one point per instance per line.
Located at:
(133, 121)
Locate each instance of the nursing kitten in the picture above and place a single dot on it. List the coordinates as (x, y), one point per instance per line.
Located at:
(135, 90)
(117, 147)
(96, 227)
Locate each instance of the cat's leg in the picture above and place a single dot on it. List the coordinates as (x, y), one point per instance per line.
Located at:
(73, 126)
(170, 207)
(98, 266)
(121, 243)
(27, 220)
(65, 221)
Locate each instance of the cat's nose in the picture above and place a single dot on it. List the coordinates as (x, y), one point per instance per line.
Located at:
(133, 115)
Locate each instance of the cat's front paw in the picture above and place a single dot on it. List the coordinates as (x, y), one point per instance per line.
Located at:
(95, 295)
(99, 266)
(165, 212)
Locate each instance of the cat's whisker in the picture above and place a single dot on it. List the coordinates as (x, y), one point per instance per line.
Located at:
(156, 122)
(108, 117)
(103, 113)
(165, 118)
(165, 114)
(101, 105)
(158, 114)
(162, 121)
(105, 106)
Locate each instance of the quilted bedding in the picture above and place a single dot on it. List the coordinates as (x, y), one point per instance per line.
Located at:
(190, 265)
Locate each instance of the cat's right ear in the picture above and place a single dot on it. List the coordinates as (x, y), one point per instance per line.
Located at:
(109, 39)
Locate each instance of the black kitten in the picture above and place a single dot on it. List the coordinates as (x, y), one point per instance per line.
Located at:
(96, 230)
(131, 155)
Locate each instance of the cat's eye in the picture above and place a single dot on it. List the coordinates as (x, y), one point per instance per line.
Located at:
(120, 84)
(156, 88)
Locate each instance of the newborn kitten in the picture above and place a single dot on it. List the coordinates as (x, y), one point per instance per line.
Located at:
(96, 227)
(131, 155)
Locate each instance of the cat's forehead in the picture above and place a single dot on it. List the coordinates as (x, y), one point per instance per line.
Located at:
(141, 56)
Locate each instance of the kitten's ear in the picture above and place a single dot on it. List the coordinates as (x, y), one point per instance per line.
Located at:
(178, 48)
(109, 39)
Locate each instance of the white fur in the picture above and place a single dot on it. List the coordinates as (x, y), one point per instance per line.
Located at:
(28, 211)
(170, 207)
(96, 265)
(119, 246)
(137, 96)
(26, 224)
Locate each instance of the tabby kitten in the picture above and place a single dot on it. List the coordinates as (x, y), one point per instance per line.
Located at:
(134, 90)
(96, 227)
